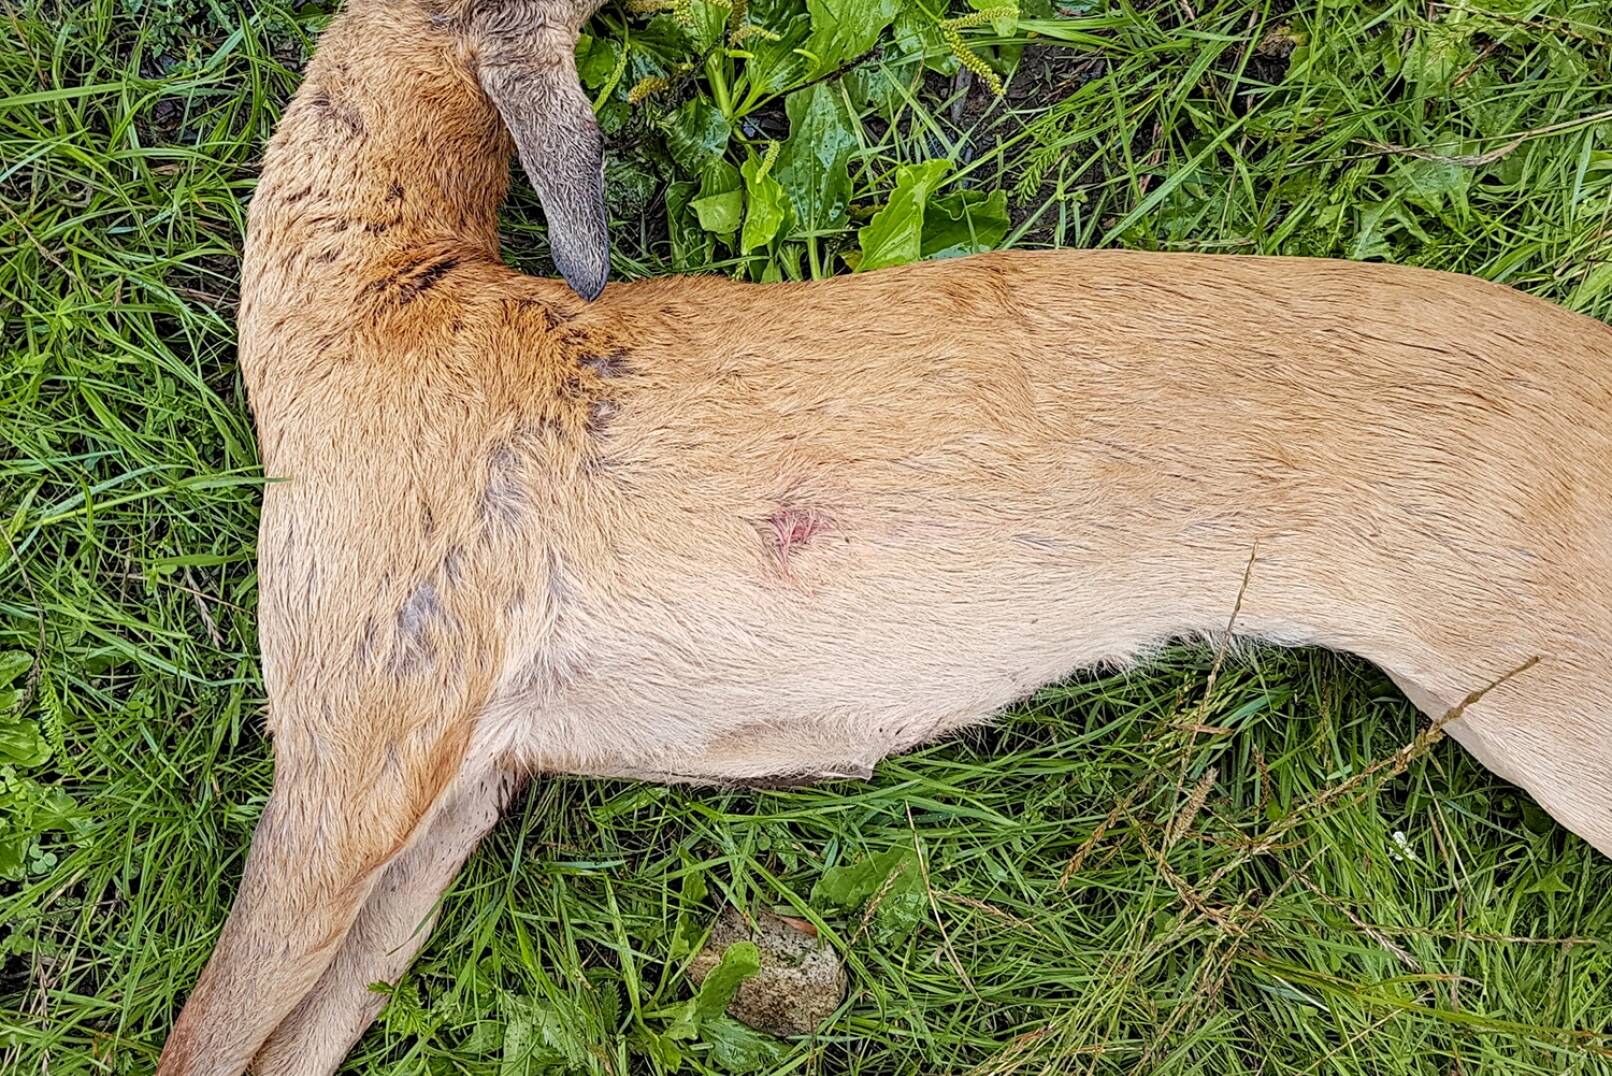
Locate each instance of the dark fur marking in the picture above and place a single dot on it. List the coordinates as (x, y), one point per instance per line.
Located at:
(572, 388)
(339, 114)
(453, 566)
(410, 282)
(394, 191)
(377, 227)
(552, 317)
(326, 257)
(326, 222)
(575, 340)
(426, 279)
(421, 607)
(609, 364)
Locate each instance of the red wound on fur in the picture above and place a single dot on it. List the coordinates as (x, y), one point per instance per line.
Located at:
(793, 526)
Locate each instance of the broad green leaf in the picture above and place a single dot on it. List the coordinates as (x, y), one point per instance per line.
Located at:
(1550, 882)
(918, 35)
(843, 30)
(596, 60)
(720, 214)
(1435, 57)
(672, 34)
(662, 1049)
(895, 235)
(1592, 288)
(539, 1039)
(486, 1038)
(720, 206)
(13, 663)
(893, 877)
(1370, 242)
(628, 187)
(739, 961)
(613, 115)
(705, 23)
(1433, 185)
(813, 165)
(775, 64)
(696, 134)
(881, 86)
(658, 48)
(848, 888)
(21, 744)
(915, 33)
(740, 1049)
(519, 1044)
(965, 222)
(13, 856)
(768, 205)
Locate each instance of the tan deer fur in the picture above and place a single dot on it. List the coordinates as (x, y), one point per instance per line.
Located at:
(707, 531)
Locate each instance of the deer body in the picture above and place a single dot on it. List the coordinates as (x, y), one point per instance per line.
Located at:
(699, 530)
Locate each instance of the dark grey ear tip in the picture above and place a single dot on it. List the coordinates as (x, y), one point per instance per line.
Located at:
(586, 277)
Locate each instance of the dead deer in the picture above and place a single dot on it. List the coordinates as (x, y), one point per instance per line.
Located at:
(704, 531)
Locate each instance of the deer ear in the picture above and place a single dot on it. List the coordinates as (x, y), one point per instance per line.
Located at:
(562, 151)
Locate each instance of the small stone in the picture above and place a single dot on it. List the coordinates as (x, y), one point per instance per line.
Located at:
(801, 981)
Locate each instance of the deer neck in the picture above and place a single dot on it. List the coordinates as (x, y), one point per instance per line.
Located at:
(389, 146)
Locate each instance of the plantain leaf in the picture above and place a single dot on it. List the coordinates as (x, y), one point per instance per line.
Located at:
(739, 961)
(769, 205)
(843, 30)
(13, 663)
(691, 244)
(720, 206)
(892, 877)
(696, 134)
(965, 222)
(21, 745)
(895, 235)
(813, 165)
(740, 1049)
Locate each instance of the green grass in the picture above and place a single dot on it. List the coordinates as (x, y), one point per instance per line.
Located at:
(1431, 921)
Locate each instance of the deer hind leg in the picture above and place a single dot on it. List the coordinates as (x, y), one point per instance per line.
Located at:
(1547, 730)
(393, 925)
(342, 808)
